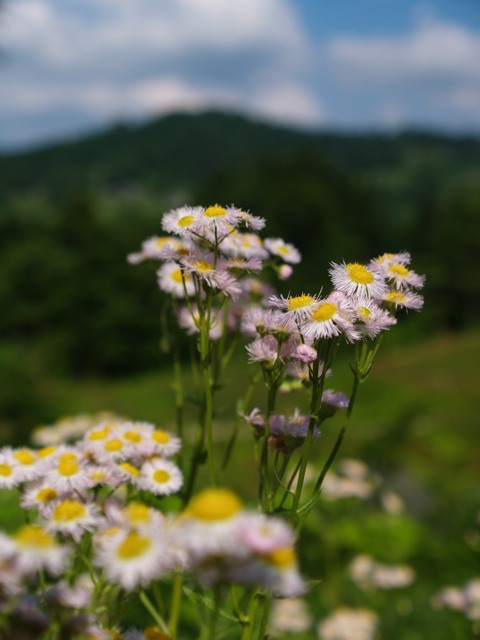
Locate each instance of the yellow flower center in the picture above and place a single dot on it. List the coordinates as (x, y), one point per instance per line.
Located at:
(68, 457)
(215, 212)
(364, 312)
(396, 297)
(34, 536)
(177, 276)
(161, 242)
(282, 558)
(324, 312)
(129, 468)
(68, 510)
(46, 495)
(68, 468)
(398, 270)
(214, 504)
(25, 457)
(98, 476)
(359, 273)
(113, 445)
(160, 437)
(186, 221)
(133, 546)
(5, 470)
(161, 476)
(99, 434)
(132, 436)
(202, 266)
(283, 250)
(45, 452)
(298, 302)
(137, 512)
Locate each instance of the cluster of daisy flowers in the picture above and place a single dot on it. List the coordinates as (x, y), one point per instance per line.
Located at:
(361, 305)
(214, 250)
(101, 488)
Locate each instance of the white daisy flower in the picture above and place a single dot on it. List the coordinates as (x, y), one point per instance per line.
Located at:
(207, 526)
(112, 449)
(182, 221)
(165, 443)
(403, 299)
(27, 464)
(218, 219)
(10, 474)
(161, 477)
(37, 549)
(244, 245)
(356, 279)
(39, 496)
(136, 515)
(286, 251)
(372, 319)
(72, 517)
(250, 221)
(403, 278)
(68, 474)
(134, 558)
(387, 259)
(202, 266)
(329, 318)
(153, 248)
(172, 279)
(296, 307)
(262, 534)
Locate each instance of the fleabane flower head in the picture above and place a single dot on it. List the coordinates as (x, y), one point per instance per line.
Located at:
(27, 464)
(172, 279)
(372, 319)
(296, 307)
(286, 251)
(160, 476)
(154, 249)
(39, 495)
(215, 221)
(356, 279)
(202, 266)
(393, 267)
(266, 350)
(182, 221)
(10, 474)
(250, 221)
(206, 527)
(135, 515)
(328, 318)
(244, 245)
(135, 557)
(68, 473)
(403, 299)
(72, 517)
(37, 549)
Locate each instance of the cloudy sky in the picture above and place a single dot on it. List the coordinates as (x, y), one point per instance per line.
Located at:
(69, 66)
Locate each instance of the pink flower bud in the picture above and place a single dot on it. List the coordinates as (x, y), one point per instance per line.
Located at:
(305, 353)
(285, 271)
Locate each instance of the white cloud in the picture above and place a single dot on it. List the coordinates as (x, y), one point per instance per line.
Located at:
(432, 51)
(124, 58)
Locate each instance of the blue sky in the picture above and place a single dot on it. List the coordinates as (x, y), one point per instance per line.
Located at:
(70, 66)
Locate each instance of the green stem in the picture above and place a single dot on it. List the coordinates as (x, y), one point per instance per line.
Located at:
(265, 497)
(316, 399)
(208, 632)
(250, 623)
(175, 604)
(267, 604)
(153, 612)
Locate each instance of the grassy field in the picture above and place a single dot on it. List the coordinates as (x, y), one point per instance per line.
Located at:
(415, 425)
